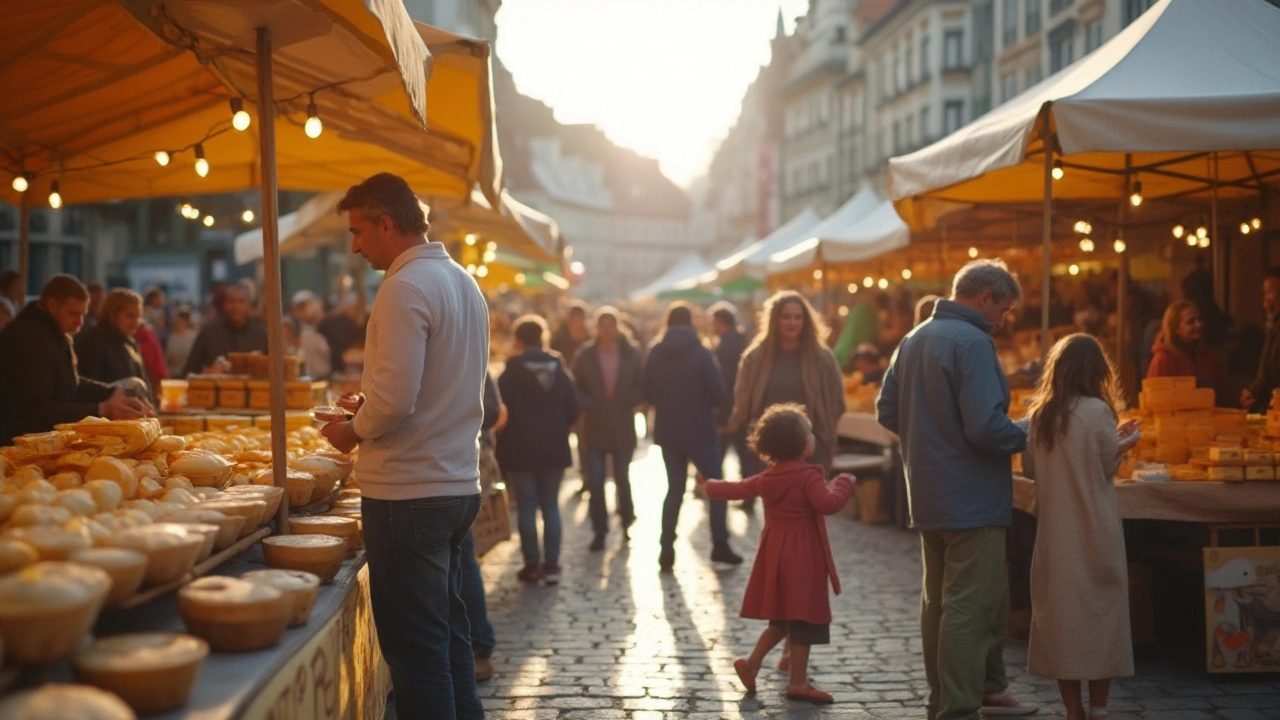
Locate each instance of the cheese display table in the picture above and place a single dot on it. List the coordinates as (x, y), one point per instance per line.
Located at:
(1192, 501)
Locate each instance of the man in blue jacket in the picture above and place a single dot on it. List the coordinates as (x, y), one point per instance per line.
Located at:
(684, 386)
(946, 397)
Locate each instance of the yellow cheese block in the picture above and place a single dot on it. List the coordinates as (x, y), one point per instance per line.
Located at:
(220, 423)
(1260, 472)
(1169, 383)
(1257, 457)
(1187, 473)
(202, 398)
(1200, 435)
(1172, 454)
(1226, 473)
(1226, 454)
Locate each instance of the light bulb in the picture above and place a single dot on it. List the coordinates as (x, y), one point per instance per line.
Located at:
(482, 271)
(1079, 227)
(1202, 231)
(1120, 245)
(1256, 223)
(906, 273)
(844, 310)
(470, 239)
(853, 288)
(1178, 231)
(1058, 172)
(202, 165)
(868, 281)
(239, 117)
(314, 127)
(208, 221)
(1086, 245)
(1203, 242)
(162, 158)
(491, 246)
(1136, 198)
(883, 284)
(490, 256)
(193, 213)
(520, 278)
(973, 253)
(1244, 228)
(55, 197)
(184, 209)
(1191, 239)
(471, 269)
(817, 274)
(1074, 269)
(247, 216)
(20, 183)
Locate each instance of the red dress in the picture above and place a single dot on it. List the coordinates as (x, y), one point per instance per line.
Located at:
(794, 561)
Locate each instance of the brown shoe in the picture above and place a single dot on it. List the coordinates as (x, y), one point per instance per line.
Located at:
(484, 669)
(1005, 705)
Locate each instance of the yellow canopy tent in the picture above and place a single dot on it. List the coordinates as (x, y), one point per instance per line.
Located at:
(135, 98)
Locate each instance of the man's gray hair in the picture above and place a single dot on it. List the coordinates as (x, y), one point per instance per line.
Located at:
(979, 276)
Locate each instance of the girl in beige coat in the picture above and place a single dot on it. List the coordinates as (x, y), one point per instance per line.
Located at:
(1079, 573)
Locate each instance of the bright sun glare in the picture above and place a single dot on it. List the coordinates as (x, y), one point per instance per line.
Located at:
(664, 77)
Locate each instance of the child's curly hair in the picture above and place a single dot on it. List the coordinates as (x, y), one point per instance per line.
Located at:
(781, 433)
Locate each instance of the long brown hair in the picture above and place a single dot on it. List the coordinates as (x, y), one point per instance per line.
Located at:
(811, 337)
(1077, 367)
(1172, 319)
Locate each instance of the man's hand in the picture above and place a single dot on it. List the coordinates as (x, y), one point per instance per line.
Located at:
(342, 436)
(122, 407)
(1246, 399)
(700, 483)
(351, 402)
(220, 366)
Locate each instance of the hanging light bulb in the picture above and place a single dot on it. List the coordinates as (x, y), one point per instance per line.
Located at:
(314, 127)
(1119, 245)
(202, 165)
(853, 288)
(55, 197)
(1245, 228)
(471, 269)
(239, 116)
(1136, 198)
(1079, 227)
(1192, 239)
(817, 274)
(1074, 269)
(470, 239)
(1058, 172)
(1178, 231)
(906, 273)
(868, 281)
(520, 278)
(247, 216)
(208, 221)
(20, 183)
(1203, 242)
(482, 271)
(973, 252)
(883, 284)
(193, 213)
(1202, 231)
(184, 209)
(1256, 223)
(844, 310)
(1086, 245)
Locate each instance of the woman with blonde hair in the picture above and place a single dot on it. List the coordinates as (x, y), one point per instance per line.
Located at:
(1180, 350)
(788, 362)
(108, 352)
(1079, 572)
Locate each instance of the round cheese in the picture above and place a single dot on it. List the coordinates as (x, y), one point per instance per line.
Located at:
(234, 615)
(47, 607)
(52, 543)
(15, 555)
(152, 672)
(127, 569)
(106, 493)
(299, 588)
(65, 702)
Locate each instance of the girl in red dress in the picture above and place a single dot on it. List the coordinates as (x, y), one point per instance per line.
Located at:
(788, 585)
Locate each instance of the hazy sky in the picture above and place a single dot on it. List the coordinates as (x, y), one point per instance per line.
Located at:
(664, 77)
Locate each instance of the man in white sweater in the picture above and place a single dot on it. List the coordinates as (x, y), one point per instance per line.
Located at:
(417, 425)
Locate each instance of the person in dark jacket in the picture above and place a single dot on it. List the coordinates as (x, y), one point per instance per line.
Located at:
(233, 331)
(1257, 396)
(533, 449)
(39, 384)
(108, 351)
(684, 386)
(610, 381)
(569, 337)
(729, 346)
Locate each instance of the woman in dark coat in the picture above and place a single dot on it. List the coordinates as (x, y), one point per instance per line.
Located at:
(609, 376)
(108, 352)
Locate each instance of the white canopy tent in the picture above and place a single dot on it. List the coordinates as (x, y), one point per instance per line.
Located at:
(687, 269)
(1182, 103)
(864, 228)
(753, 260)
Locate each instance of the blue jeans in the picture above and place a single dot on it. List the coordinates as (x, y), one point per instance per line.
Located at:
(414, 549)
(596, 474)
(482, 640)
(707, 461)
(538, 490)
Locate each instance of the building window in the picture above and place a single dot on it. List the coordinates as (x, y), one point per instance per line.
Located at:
(911, 76)
(911, 131)
(1057, 6)
(1033, 17)
(897, 74)
(1062, 41)
(953, 50)
(1033, 75)
(1092, 36)
(897, 138)
(840, 36)
(952, 116)
(924, 123)
(1131, 9)
(1008, 87)
(853, 162)
(924, 56)
(1010, 14)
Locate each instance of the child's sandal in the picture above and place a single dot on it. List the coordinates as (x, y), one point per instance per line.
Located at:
(809, 693)
(743, 669)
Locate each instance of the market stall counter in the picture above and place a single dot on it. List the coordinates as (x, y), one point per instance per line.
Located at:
(1192, 501)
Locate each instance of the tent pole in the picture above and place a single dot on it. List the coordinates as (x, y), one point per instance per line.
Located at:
(1219, 244)
(271, 267)
(1122, 275)
(1046, 266)
(24, 244)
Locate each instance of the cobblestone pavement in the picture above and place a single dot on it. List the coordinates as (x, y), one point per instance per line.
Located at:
(617, 639)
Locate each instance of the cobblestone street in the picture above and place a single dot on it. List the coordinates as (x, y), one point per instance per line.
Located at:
(617, 639)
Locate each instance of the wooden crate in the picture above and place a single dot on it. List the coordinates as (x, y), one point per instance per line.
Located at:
(493, 523)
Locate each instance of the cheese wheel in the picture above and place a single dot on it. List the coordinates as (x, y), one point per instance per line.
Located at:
(269, 494)
(152, 672)
(208, 533)
(299, 587)
(321, 555)
(234, 615)
(47, 607)
(115, 470)
(106, 493)
(171, 551)
(15, 555)
(229, 526)
(253, 512)
(127, 568)
(52, 543)
(26, 515)
(37, 492)
(341, 527)
(65, 702)
(77, 502)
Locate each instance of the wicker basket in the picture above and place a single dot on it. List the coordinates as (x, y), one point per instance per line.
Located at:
(493, 523)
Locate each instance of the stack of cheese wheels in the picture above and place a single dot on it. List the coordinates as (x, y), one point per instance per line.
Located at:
(299, 587)
(321, 555)
(341, 527)
(270, 494)
(47, 607)
(127, 568)
(234, 615)
(170, 548)
(229, 526)
(152, 672)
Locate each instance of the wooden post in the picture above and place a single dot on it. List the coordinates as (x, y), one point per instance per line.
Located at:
(1046, 263)
(1122, 276)
(271, 270)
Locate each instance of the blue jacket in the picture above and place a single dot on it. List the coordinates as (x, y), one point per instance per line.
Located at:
(946, 397)
(541, 409)
(684, 386)
(728, 353)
